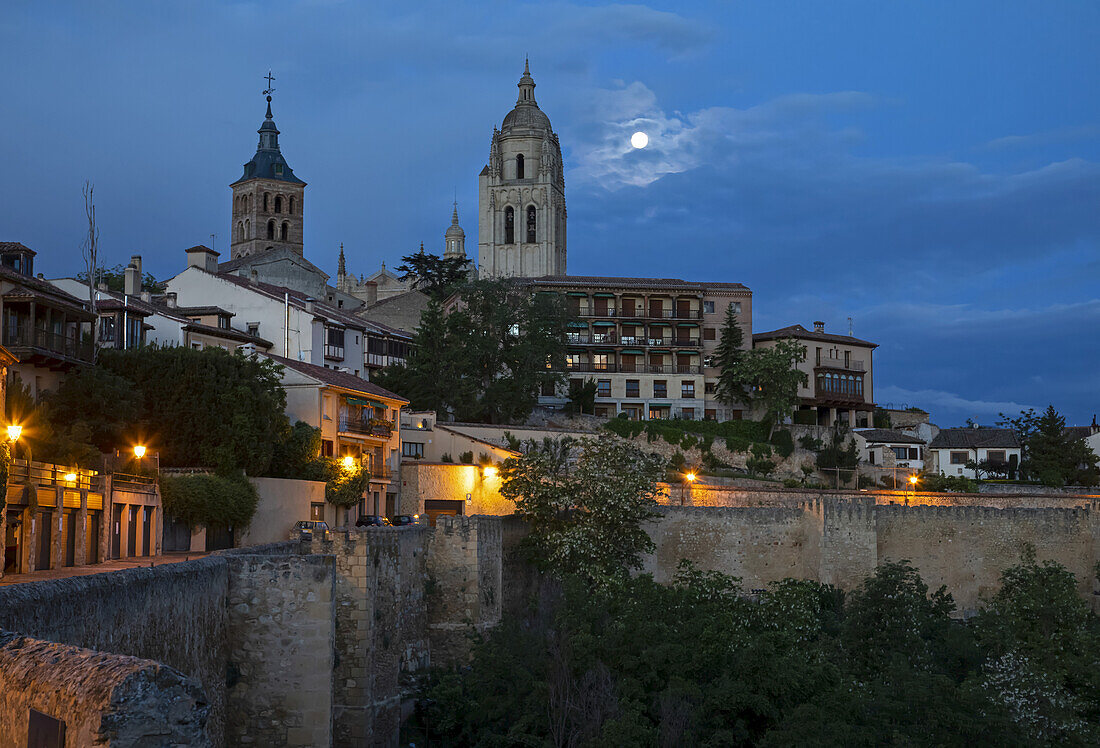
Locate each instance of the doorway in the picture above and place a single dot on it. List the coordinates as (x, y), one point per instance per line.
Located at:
(91, 542)
(131, 532)
(13, 562)
(116, 530)
(69, 522)
(45, 535)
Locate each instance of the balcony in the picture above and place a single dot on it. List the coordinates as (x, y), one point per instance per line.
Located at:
(596, 338)
(28, 343)
(334, 352)
(838, 363)
(379, 471)
(589, 311)
(584, 366)
(686, 342)
(375, 427)
(829, 396)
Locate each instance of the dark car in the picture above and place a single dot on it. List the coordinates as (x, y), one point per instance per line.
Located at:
(306, 528)
(372, 520)
(402, 520)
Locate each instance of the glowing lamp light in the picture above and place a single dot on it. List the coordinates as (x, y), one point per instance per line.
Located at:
(139, 451)
(690, 477)
(348, 462)
(14, 430)
(489, 472)
(70, 477)
(913, 480)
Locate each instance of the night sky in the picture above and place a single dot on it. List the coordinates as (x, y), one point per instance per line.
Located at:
(930, 170)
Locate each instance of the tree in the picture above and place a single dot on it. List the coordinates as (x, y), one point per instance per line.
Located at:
(585, 518)
(90, 251)
(427, 378)
(582, 398)
(115, 279)
(1056, 458)
(732, 385)
(105, 404)
(773, 378)
(436, 276)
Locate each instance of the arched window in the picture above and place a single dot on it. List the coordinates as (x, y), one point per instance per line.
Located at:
(531, 224)
(240, 230)
(248, 228)
(509, 225)
(278, 203)
(519, 166)
(283, 230)
(265, 202)
(859, 385)
(270, 229)
(291, 209)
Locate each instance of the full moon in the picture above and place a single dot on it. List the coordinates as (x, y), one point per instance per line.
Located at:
(639, 139)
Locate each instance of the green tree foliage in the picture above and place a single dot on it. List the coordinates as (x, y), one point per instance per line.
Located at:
(1054, 457)
(436, 276)
(700, 662)
(205, 408)
(104, 403)
(770, 377)
(882, 418)
(298, 455)
(46, 436)
(732, 386)
(209, 500)
(585, 516)
(115, 278)
(486, 361)
(783, 443)
(840, 452)
(582, 399)
(947, 483)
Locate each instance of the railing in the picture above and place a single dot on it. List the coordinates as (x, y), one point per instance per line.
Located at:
(598, 338)
(47, 474)
(584, 366)
(846, 397)
(838, 363)
(26, 336)
(586, 310)
(335, 352)
(380, 471)
(374, 427)
(686, 342)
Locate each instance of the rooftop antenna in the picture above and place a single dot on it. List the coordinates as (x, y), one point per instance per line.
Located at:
(849, 327)
(212, 241)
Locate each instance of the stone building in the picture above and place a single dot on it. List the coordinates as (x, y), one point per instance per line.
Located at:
(521, 195)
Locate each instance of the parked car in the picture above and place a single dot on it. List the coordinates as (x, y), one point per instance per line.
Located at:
(402, 520)
(372, 520)
(307, 527)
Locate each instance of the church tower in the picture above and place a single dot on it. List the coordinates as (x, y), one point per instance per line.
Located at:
(521, 196)
(267, 199)
(455, 238)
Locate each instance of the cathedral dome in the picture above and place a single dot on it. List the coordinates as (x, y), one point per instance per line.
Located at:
(527, 116)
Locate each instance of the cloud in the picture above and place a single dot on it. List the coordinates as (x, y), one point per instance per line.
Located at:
(1047, 137)
(631, 23)
(940, 403)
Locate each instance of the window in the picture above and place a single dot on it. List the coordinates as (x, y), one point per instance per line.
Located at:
(278, 170)
(959, 458)
(509, 225)
(709, 333)
(735, 307)
(710, 414)
(572, 360)
(996, 456)
(415, 450)
(531, 224)
(660, 388)
(284, 230)
(107, 329)
(709, 388)
(278, 203)
(548, 389)
(708, 307)
(603, 388)
(223, 323)
(575, 386)
(632, 388)
(291, 210)
(600, 362)
(519, 166)
(265, 202)
(689, 414)
(901, 453)
(253, 328)
(334, 343)
(270, 229)
(326, 447)
(248, 228)
(687, 388)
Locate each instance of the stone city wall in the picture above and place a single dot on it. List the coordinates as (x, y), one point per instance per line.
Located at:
(103, 699)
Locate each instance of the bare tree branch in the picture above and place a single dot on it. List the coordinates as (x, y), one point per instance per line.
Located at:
(89, 248)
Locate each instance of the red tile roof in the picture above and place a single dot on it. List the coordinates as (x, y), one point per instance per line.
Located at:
(335, 378)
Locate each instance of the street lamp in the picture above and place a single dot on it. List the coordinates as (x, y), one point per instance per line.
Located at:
(489, 471)
(139, 451)
(689, 478)
(348, 462)
(14, 431)
(913, 484)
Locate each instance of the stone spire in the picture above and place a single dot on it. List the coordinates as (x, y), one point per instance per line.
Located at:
(526, 86)
(455, 238)
(341, 269)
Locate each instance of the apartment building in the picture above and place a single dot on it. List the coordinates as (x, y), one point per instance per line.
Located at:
(839, 375)
(648, 343)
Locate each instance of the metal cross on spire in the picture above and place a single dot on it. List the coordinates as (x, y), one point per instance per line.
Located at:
(270, 89)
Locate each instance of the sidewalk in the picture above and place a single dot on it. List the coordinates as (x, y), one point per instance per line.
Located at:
(116, 565)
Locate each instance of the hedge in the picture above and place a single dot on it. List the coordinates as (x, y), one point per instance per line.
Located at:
(208, 500)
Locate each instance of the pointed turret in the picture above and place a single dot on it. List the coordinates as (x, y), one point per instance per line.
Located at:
(454, 238)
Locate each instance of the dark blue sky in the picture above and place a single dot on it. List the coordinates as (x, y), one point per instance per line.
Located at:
(930, 170)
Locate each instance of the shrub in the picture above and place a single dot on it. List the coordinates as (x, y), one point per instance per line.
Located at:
(710, 462)
(783, 443)
(466, 458)
(344, 487)
(805, 417)
(759, 466)
(866, 481)
(208, 500)
(792, 482)
(689, 441)
(760, 451)
(678, 460)
(446, 457)
(737, 444)
(810, 443)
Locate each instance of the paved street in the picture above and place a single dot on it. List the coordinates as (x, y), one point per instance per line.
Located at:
(79, 571)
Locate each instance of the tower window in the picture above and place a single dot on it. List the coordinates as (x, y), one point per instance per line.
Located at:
(270, 229)
(531, 224)
(519, 166)
(248, 229)
(291, 210)
(283, 230)
(240, 230)
(265, 202)
(278, 203)
(509, 225)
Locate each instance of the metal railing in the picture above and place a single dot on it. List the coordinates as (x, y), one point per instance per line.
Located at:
(838, 363)
(637, 313)
(334, 352)
(373, 427)
(23, 335)
(585, 366)
(48, 474)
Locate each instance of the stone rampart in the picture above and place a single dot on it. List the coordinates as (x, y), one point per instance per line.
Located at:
(103, 699)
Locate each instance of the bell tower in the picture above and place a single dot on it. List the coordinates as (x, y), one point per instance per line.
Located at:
(521, 194)
(268, 198)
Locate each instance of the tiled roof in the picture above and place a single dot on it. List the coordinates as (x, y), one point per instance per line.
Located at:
(229, 333)
(30, 286)
(16, 247)
(971, 438)
(229, 265)
(798, 331)
(201, 311)
(887, 436)
(297, 298)
(1079, 432)
(335, 378)
(626, 282)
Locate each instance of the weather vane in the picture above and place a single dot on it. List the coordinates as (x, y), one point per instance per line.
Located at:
(270, 89)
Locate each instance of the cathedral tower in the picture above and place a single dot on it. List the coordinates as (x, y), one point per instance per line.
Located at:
(267, 199)
(521, 218)
(455, 238)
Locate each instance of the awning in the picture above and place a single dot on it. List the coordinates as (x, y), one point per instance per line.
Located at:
(363, 402)
(686, 324)
(579, 324)
(603, 324)
(666, 324)
(632, 352)
(604, 350)
(577, 293)
(604, 294)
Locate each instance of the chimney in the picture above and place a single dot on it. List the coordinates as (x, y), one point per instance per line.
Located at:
(101, 286)
(170, 299)
(135, 260)
(132, 283)
(203, 257)
(146, 296)
(819, 326)
(254, 278)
